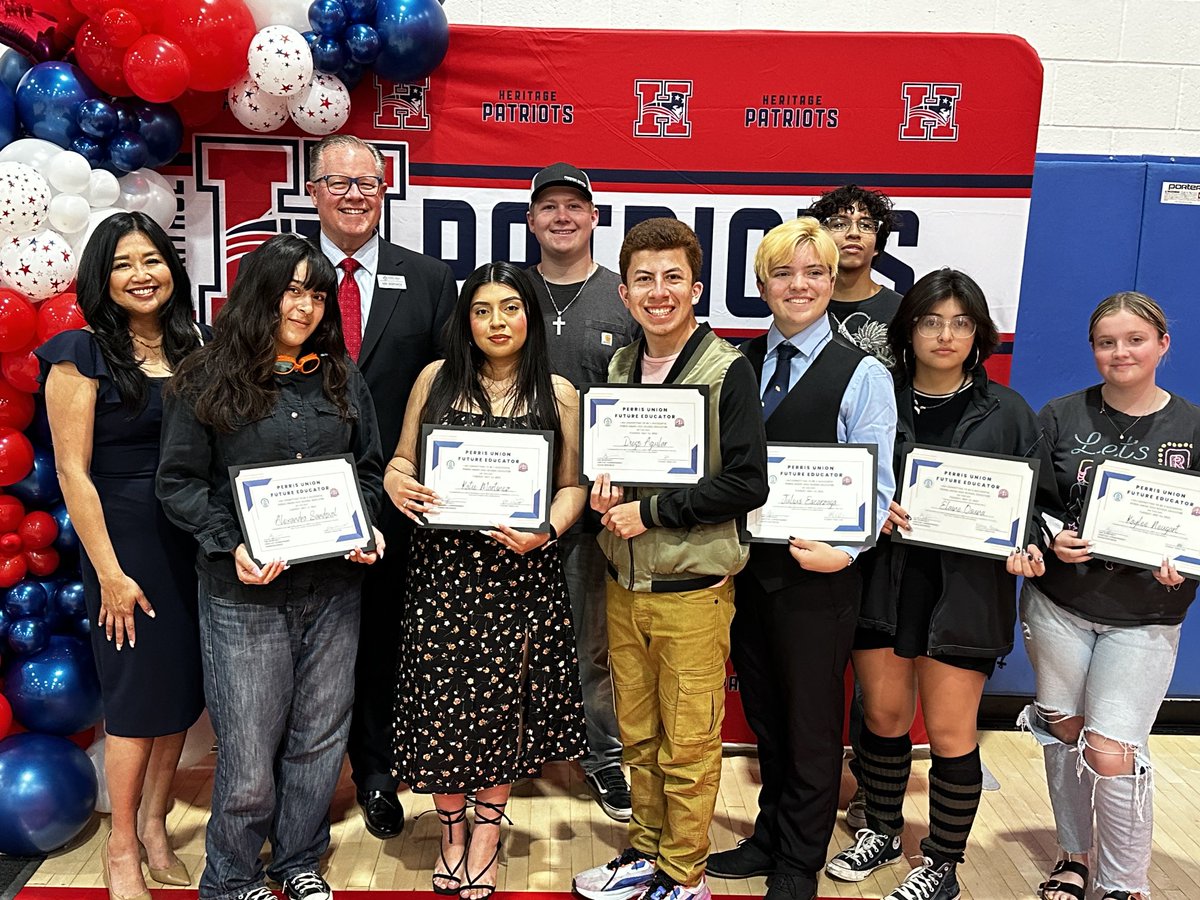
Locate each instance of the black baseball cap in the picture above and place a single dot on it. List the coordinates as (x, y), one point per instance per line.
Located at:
(561, 174)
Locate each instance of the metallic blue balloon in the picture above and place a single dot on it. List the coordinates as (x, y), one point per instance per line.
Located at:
(27, 636)
(362, 42)
(55, 691)
(83, 628)
(67, 540)
(161, 129)
(359, 10)
(312, 37)
(13, 66)
(40, 487)
(8, 116)
(5, 621)
(328, 55)
(98, 119)
(327, 17)
(351, 74)
(26, 598)
(415, 35)
(90, 149)
(70, 600)
(127, 119)
(48, 100)
(128, 152)
(48, 791)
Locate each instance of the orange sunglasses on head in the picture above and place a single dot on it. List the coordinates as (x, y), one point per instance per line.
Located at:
(285, 365)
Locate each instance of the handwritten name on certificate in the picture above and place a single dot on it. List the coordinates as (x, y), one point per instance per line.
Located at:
(976, 503)
(301, 510)
(488, 476)
(1140, 515)
(654, 435)
(819, 492)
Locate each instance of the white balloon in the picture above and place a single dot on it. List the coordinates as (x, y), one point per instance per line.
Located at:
(293, 13)
(280, 61)
(69, 213)
(103, 189)
(31, 151)
(323, 108)
(80, 240)
(147, 191)
(68, 172)
(24, 198)
(38, 265)
(254, 107)
(96, 754)
(199, 742)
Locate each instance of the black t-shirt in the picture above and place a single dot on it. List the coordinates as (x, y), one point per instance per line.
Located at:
(865, 322)
(1079, 436)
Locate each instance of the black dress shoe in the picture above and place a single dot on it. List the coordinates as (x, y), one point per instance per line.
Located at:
(790, 886)
(382, 812)
(745, 860)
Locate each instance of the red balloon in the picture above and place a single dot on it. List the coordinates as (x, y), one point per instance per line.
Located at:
(121, 27)
(198, 108)
(5, 717)
(59, 313)
(16, 456)
(12, 570)
(16, 407)
(42, 562)
(20, 369)
(41, 30)
(10, 544)
(157, 69)
(101, 61)
(38, 530)
(12, 511)
(215, 35)
(18, 321)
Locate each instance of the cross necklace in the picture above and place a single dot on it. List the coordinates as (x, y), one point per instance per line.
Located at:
(559, 322)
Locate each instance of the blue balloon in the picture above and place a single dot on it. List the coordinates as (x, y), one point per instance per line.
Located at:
(327, 17)
(5, 621)
(98, 119)
(40, 487)
(359, 10)
(351, 74)
(26, 598)
(48, 100)
(48, 792)
(362, 42)
(55, 691)
(90, 149)
(70, 600)
(67, 540)
(83, 628)
(415, 36)
(8, 116)
(13, 65)
(128, 152)
(161, 129)
(127, 119)
(312, 37)
(28, 636)
(328, 55)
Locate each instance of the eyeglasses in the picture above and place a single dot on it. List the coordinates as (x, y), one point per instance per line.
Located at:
(286, 365)
(933, 326)
(838, 224)
(368, 185)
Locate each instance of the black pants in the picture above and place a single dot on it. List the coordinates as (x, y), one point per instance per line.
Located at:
(790, 648)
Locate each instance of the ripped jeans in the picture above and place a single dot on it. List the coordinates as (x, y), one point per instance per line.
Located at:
(1115, 677)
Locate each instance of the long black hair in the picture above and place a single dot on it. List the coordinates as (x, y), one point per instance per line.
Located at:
(457, 382)
(232, 380)
(110, 322)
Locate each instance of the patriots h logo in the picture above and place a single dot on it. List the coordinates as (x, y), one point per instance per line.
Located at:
(929, 111)
(403, 106)
(662, 108)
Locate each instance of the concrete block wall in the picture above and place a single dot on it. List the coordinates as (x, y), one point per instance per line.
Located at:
(1122, 76)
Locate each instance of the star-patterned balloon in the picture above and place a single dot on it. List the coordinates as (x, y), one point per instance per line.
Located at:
(24, 198)
(280, 61)
(37, 265)
(254, 107)
(323, 108)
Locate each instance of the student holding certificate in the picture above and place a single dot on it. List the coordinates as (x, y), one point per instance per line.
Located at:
(278, 642)
(488, 681)
(932, 619)
(1103, 636)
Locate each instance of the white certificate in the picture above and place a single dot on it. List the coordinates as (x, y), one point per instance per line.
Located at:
(820, 492)
(976, 503)
(488, 476)
(301, 510)
(1140, 514)
(644, 434)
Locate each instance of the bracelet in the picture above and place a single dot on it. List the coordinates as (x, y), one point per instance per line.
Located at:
(849, 560)
(553, 535)
(392, 465)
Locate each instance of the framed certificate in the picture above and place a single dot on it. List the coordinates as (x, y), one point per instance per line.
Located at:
(488, 476)
(976, 503)
(821, 492)
(653, 435)
(1140, 514)
(299, 510)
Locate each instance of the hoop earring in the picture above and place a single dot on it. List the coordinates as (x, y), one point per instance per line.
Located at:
(971, 367)
(904, 359)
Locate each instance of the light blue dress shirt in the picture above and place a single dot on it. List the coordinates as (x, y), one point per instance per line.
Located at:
(368, 266)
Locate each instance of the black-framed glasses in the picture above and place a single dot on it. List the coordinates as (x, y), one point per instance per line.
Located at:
(932, 326)
(841, 224)
(306, 365)
(368, 185)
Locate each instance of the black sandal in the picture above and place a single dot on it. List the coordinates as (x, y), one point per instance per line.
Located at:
(1118, 895)
(1075, 868)
(449, 818)
(472, 884)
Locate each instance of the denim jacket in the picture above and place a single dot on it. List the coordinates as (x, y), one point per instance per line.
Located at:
(194, 487)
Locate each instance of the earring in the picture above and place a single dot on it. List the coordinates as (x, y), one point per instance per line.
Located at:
(972, 366)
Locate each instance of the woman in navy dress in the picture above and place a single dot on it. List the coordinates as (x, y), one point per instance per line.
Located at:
(103, 388)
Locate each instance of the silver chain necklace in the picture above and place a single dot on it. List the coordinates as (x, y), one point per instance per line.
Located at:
(558, 322)
(919, 408)
(1122, 431)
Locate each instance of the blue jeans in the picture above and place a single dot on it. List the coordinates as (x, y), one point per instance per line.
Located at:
(279, 682)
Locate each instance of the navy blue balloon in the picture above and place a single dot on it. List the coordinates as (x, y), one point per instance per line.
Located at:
(415, 35)
(98, 119)
(127, 119)
(90, 149)
(5, 621)
(351, 74)
(48, 791)
(83, 628)
(67, 540)
(48, 100)
(162, 130)
(327, 17)
(26, 598)
(312, 37)
(362, 42)
(128, 152)
(55, 691)
(13, 66)
(70, 600)
(359, 10)
(8, 116)
(28, 636)
(40, 487)
(328, 55)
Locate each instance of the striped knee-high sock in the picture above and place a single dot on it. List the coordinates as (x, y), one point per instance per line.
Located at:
(955, 785)
(883, 774)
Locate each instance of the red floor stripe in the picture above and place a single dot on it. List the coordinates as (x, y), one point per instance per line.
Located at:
(74, 893)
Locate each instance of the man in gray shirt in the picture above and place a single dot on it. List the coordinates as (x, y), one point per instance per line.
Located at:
(586, 323)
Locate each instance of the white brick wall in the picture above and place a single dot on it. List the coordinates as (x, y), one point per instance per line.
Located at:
(1122, 76)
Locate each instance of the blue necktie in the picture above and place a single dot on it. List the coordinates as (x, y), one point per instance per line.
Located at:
(781, 381)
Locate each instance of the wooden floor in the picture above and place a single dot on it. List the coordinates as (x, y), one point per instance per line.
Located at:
(558, 830)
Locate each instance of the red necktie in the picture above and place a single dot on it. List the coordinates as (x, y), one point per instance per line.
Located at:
(350, 302)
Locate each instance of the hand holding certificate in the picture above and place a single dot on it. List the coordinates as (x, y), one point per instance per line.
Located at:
(820, 492)
(653, 435)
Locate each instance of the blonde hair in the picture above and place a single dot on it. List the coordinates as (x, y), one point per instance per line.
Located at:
(1133, 302)
(779, 246)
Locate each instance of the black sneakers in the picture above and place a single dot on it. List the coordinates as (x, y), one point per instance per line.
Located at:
(611, 791)
(928, 882)
(871, 851)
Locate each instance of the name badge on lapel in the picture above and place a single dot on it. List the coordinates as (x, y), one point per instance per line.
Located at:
(392, 282)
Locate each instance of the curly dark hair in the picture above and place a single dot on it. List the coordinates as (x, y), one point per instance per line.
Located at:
(231, 381)
(662, 234)
(877, 204)
(110, 322)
